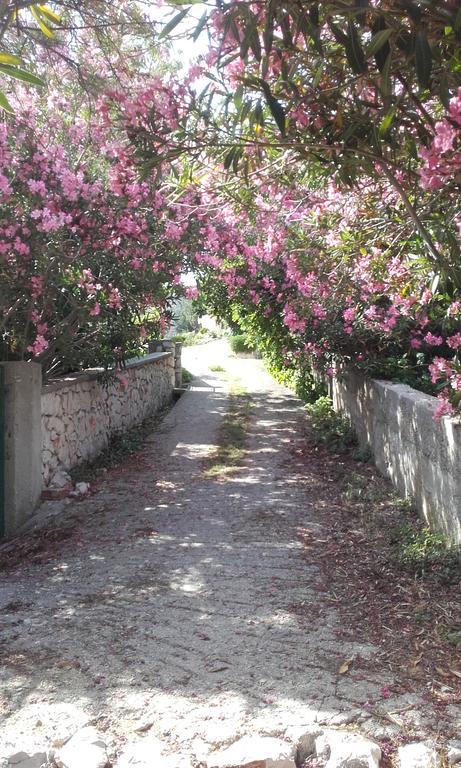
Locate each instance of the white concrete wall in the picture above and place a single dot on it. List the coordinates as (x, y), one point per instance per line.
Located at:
(82, 411)
(422, 457)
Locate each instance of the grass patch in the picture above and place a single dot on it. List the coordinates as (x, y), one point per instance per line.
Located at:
(230, 452)
(186, 376)
(217, 369)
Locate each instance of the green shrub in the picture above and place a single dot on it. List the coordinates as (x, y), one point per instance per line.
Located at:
(330, 428)
(424, 553)
(240, 344)
(179, 337)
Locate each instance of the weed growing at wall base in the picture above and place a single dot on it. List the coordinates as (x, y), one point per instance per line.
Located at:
(330, 428)
(426, 554)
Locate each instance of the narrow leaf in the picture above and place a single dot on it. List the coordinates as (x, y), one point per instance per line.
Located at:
(200, 26)
(173, 23)
(377, 42)
(5, 104)
(354, 51)
(7, 58)
(21, 74)
(50, 15)
(229, 158)
(386, 124)
(34, 9)
(385, 85)
(278, 113)
(423, 59)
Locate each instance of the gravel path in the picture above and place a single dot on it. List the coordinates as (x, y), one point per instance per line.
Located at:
(171, 604)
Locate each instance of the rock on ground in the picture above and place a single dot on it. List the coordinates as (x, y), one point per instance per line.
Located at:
(418, 755)
(454, 752)
(151, 753)
(254, 751)
(24, 760)
(85, 749)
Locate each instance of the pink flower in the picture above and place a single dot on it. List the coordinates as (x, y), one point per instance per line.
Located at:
(191, 292)
(433, 341)
(114, 300)
(440, 369)
(349, 315)
(36, 286)
(39, 345)
(95, 309)
(454, 341)
(445, 408)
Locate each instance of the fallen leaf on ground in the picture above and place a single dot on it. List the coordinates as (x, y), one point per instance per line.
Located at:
(345, 666)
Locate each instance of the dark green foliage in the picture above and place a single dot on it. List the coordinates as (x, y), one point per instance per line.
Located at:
(240, 344)
(330, 428)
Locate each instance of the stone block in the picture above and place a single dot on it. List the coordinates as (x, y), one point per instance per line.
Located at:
(85, 748)
(254, 752)
(418, 755)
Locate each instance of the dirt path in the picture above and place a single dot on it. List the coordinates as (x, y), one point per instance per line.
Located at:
(185, 606)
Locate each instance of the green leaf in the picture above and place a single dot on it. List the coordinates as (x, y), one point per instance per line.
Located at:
(255, 44)
(457, 24)
(423, 59)
(386, 124)
(50, 14)
(38, 16)
(238, 96)
(5, 104)
(8, 58)
(21, 74)
(229, 158)
(317, 77)
(338, 33)
(385, 85)
(200, 26)
(278, 113)
(377, 42)
(445, 90)
(237, 157)
(258, 115)
(268, 34)
(354, 51)
(173, 23)
(314, 14)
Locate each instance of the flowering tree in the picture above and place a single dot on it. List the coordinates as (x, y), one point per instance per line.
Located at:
(353, 110)
(90, 255)
(308, 166)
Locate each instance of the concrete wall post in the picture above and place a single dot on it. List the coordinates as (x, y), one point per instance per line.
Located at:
(177, 364)
(23, 442)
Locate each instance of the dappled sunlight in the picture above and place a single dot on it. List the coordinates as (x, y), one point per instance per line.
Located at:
(187, 600)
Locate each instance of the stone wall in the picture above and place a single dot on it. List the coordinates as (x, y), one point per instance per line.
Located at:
(422, 457)
(82, 411)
